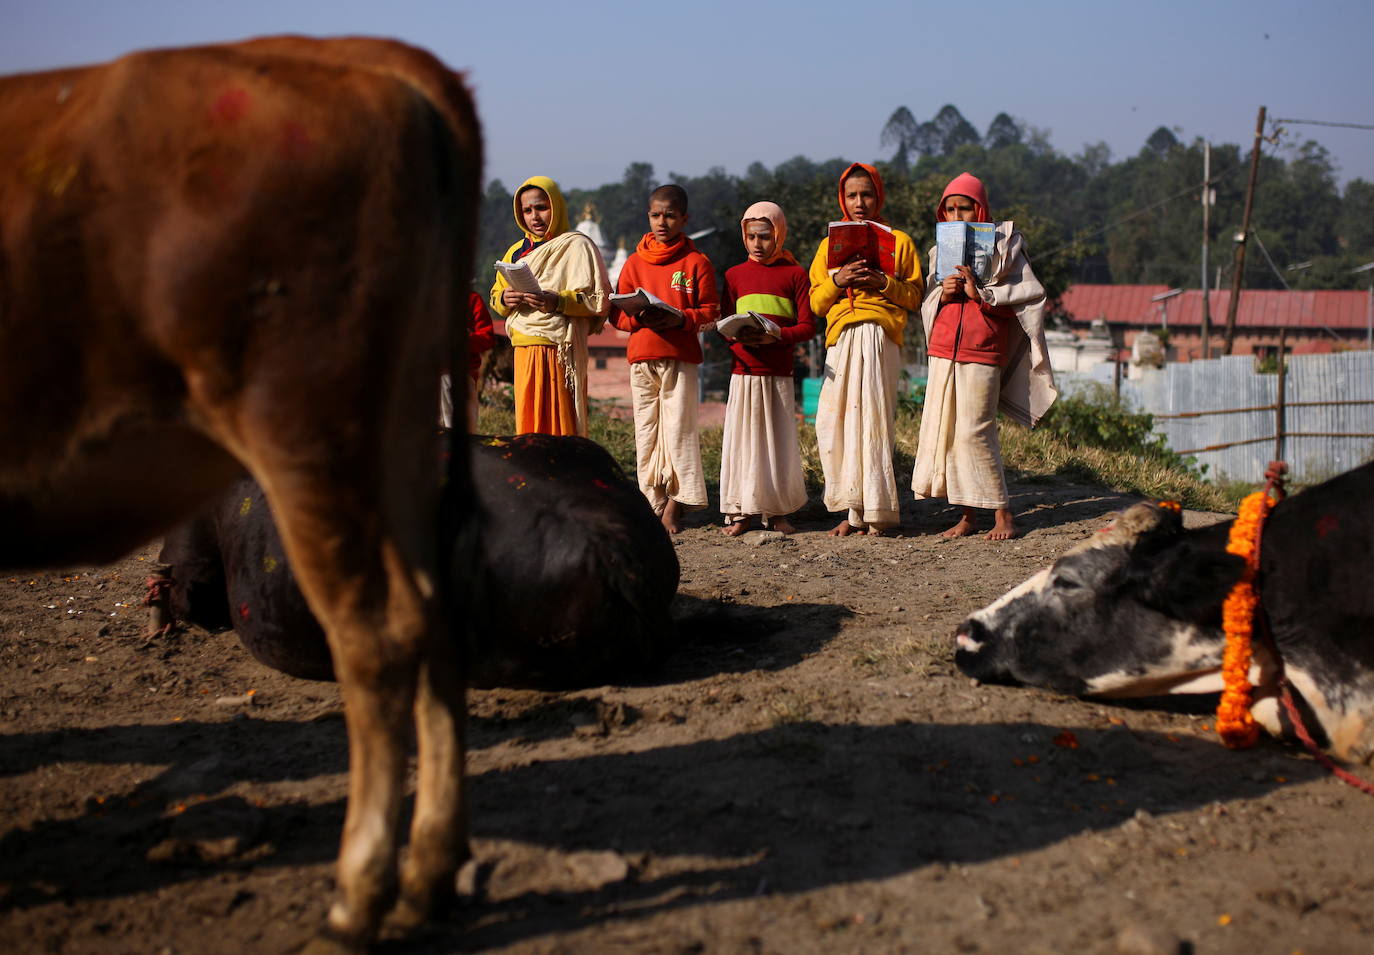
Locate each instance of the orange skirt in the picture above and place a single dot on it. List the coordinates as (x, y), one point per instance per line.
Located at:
(542, 402)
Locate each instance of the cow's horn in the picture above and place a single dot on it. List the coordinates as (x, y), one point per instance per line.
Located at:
(1137, 521)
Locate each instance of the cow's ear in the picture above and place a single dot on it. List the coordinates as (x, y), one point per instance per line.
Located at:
(1191, 582)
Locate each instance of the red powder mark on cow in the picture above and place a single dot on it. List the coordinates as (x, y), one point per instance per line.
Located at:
(296, 142)
(600, 484)
(243, 611)
(1326, 524)
(1066, 740)
(230, 106)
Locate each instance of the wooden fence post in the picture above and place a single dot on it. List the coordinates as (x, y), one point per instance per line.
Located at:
(1282, 395)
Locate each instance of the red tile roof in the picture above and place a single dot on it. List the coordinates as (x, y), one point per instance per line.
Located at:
(1259, 308)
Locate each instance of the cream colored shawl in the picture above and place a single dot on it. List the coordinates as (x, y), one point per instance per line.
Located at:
(1027, 380)
(569, 262)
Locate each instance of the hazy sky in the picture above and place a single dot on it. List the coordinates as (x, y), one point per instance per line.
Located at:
(579, 90)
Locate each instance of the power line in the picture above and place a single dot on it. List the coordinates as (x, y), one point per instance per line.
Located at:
(1192, 189)
(1269, 259)
(1322, 122)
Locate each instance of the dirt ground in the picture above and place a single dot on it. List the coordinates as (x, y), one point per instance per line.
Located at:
(808, 774)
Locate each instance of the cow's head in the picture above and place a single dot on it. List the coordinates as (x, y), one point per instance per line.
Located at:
(1134, 612)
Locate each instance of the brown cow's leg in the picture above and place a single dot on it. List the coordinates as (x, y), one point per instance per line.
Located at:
(438, 832)
(375, 661)
(371, 587)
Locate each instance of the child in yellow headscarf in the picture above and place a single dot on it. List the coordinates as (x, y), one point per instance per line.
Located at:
(549, 329)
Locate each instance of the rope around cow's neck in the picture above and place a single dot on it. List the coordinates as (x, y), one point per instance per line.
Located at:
(1235, 723)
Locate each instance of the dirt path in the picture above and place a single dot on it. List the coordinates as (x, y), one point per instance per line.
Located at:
(809, 774)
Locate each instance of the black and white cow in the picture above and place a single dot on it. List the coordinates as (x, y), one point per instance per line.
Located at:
(574, 577)
(1136, 611)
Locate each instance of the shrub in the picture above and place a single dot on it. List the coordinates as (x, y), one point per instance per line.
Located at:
(1095, 417)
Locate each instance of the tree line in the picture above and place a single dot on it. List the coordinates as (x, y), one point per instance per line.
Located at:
(1087, 218)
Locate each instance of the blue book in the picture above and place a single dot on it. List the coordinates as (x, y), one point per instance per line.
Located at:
(964, 243)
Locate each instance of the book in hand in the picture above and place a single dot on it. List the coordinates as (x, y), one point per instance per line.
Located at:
(964, 243)
(872, 241)
(731, 325)
(648, 308)
(519, 276)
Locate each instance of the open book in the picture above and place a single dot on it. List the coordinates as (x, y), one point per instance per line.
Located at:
(731, 325)
(519, 276)
(873, 241)
(964, 243)
(644, 305)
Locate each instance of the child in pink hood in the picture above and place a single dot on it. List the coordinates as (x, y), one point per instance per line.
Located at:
(760, 462)
(986, 342)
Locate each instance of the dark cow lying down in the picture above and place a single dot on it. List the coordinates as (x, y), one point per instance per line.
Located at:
(247, 257)
(574, 574)
(1137, 612)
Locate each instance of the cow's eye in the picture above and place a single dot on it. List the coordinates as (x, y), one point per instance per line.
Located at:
(1067, 582)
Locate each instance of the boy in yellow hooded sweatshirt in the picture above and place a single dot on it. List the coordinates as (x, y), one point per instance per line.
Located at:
(549, 329)
(865, 314)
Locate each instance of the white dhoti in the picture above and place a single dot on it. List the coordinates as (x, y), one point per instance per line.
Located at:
(667, 448)
(760, 460)
(854, 426)
(958, 456)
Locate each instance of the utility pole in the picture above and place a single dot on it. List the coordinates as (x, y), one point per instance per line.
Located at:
(1206, 241)
(1232, 305)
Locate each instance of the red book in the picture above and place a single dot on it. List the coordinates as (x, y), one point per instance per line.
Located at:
(871, 240)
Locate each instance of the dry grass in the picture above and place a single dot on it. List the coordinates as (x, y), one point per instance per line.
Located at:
(1031, 455)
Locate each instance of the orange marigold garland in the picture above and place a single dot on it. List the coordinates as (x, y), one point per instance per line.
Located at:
(1235, 723)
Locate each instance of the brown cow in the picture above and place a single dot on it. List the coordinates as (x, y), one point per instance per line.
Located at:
(246, 257)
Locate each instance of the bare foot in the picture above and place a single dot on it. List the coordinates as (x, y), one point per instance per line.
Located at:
(670, 517)
(844, 529)
(1004, 529)
(964, 527)
(874, 531)
(739, 525)
(783, 526)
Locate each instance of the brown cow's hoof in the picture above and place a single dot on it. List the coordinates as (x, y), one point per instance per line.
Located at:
(407, 916)
(330, 943)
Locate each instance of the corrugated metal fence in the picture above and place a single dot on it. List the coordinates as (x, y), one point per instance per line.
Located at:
(1318, 416)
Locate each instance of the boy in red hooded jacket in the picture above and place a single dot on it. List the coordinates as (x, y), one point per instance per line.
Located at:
(986, 342)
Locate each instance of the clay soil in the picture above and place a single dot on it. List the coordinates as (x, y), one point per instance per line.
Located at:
(809, 773)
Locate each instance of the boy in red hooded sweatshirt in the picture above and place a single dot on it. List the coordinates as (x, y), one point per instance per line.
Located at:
(986, 342)
(665, 356)
(865, 314)
(760, 462)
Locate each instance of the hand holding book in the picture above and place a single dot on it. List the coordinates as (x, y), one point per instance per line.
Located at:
(649, 310)
(961, 280)
(858, 274)
(749, 328)
(660, 319)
